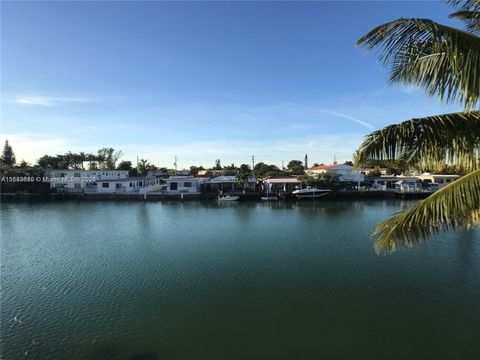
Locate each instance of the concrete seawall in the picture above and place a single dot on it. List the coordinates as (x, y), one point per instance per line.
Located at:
(14, 197)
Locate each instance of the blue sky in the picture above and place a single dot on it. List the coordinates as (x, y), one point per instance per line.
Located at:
(200, 80)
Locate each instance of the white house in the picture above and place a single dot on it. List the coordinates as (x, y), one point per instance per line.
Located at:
(390, 183)
(229, 183)
(117, 186)
(184, 184)
(281, 184)
(79, 180)
(439, 179)
(343, 171)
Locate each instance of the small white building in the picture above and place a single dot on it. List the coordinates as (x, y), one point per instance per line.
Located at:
(390, 183)
(281, 184)
(439, 179)
(343, 171)
(229, 183)
(116, 186)
(79, 180)
(184, 184)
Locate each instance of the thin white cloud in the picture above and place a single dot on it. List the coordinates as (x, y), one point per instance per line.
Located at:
(48, 100)
(345, 116)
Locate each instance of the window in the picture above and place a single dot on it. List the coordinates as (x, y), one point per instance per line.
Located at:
(131, 185)
(140, 183)
(105, 185)
(77, 186)
(118, 186)
(173, 186)
(187, 184)
(76, 174)
(448, 180)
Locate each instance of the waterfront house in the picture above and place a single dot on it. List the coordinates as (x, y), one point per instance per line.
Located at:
(345, 173)
(76, 181)
(116, 186)
(229, 184)
(389, 183)
(281, 184)
(184, 184)
(440, 180)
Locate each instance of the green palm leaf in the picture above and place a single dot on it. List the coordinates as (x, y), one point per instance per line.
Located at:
(457, 204)
(427, 143)
(472, 18)
(470, 13)
(443, 60)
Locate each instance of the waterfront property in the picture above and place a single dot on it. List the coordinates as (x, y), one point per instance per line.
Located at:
(438, 179)
(281, 185)
(229, 184)
(184, 184)
(345, 173)
(389, 183)
(117, 186)
(81, 180)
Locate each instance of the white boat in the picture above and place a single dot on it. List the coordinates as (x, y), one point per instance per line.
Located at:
(269, 198)
(310, 193)
(228, 198)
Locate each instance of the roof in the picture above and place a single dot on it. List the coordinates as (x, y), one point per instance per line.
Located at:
(439, 175)
(332, 166)
(136, 178)
(281, 180)
(227, 179)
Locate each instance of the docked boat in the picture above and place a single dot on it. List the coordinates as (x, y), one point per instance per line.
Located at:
(228, 198)
(269, 198)
(310, 193)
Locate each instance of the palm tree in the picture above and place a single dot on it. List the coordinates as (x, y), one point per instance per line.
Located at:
(445, 62)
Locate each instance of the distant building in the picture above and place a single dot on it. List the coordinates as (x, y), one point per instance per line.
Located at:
(79, 180)
(117, 186)
(229, 183)
(343, 171)
(209, 172)
(184, 184)
(281, 184)
(439, 179)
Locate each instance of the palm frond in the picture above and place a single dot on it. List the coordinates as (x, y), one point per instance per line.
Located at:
(440, 59)
(471, 17)
(457, 204)
(469, 12)
(427, 143)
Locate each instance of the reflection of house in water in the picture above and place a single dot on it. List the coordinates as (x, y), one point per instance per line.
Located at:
(283, 184)
(228, 184)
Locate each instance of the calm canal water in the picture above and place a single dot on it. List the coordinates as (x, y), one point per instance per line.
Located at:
(111, 280)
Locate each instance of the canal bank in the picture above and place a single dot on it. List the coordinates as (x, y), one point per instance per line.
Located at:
(334, 195)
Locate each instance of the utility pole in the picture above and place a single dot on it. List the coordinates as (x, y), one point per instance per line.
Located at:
(334, 159)
(306, 161)
(253, 165)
